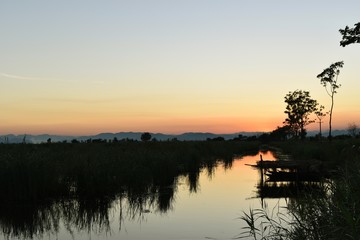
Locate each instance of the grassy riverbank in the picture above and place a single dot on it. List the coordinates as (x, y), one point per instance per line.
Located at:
(37, 172)
(79, 184)
(334, 214)
(336, 154)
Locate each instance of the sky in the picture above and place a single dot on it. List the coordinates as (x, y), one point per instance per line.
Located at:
(85, 67)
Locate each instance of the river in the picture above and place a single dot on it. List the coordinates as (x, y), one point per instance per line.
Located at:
(209, 210)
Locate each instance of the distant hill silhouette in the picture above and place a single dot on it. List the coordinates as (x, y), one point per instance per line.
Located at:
(188, 136)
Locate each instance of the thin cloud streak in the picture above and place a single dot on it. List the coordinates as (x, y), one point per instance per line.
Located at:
(78, 100)
(22, 77)
(12, 76)
(18, 77)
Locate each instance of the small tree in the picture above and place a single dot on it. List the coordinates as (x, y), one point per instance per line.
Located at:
(320, 115)
(352, 129)
(280, 133)
(298, 109)
(145, 136)
(329, 78)
(350, 35)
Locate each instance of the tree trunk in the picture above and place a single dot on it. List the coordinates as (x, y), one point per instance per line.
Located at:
(331, 111)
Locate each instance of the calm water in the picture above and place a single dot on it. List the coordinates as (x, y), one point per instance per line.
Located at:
(209, 210)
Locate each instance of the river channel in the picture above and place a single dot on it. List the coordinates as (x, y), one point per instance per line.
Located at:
(209, 210)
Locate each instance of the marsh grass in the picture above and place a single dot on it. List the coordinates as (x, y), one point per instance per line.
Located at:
(80, 183)
(264, 223)
(335, 154)
(333, 213)
(35, 173)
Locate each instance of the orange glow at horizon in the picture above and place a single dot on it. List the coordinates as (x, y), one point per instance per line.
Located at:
(86, 122)
(131, 69)
(155, 125)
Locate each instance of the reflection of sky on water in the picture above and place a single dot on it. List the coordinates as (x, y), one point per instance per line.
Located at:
(211, 212)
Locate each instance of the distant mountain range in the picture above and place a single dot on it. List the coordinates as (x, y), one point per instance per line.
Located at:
(189, 136)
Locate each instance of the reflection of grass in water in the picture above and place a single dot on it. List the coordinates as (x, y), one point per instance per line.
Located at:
(38, 172)
(331, 213)
(288, 189)
(30, 220)
(79, 183)
(26, 221)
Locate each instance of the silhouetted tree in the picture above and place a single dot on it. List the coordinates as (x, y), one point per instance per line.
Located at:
(145, 136)
(299, 107)
(329, 78)
(280, 133)
(240, 137)
(216, 139)
(350, 35)
(352, 129)
(319, 112)
(264, 138)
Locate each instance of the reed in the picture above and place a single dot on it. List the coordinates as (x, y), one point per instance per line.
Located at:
(333, 213)
(81, 182)
(35, 173)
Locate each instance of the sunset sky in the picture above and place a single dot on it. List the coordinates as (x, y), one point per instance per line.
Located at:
(85, 67)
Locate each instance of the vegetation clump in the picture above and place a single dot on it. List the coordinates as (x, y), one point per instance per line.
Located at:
(332, 213)
(41, 184)
(299, 107)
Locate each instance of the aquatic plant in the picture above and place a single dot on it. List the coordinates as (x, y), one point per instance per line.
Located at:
(333, 213)
(81, 182)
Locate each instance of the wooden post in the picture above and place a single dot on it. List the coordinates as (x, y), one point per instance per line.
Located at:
(261, 179)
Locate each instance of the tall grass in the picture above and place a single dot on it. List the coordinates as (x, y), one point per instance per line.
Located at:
(330, 214)
(36, 172)
(264, 223)
(335, 154)
(80, 183)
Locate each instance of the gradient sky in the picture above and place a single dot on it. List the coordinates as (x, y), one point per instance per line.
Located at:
(84, 67)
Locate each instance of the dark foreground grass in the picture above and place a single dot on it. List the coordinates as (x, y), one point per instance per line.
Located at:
(333, 213)
(335, 154)
(79, 184)
(37, 172)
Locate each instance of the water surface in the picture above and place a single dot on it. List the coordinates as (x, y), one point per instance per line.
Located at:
(207, 208)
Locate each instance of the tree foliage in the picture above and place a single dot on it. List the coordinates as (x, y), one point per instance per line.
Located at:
(299, 108)
(280, 133)
(145, 136)
(352, 129)
(320, 114)
(350, 35)
(329, 79)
